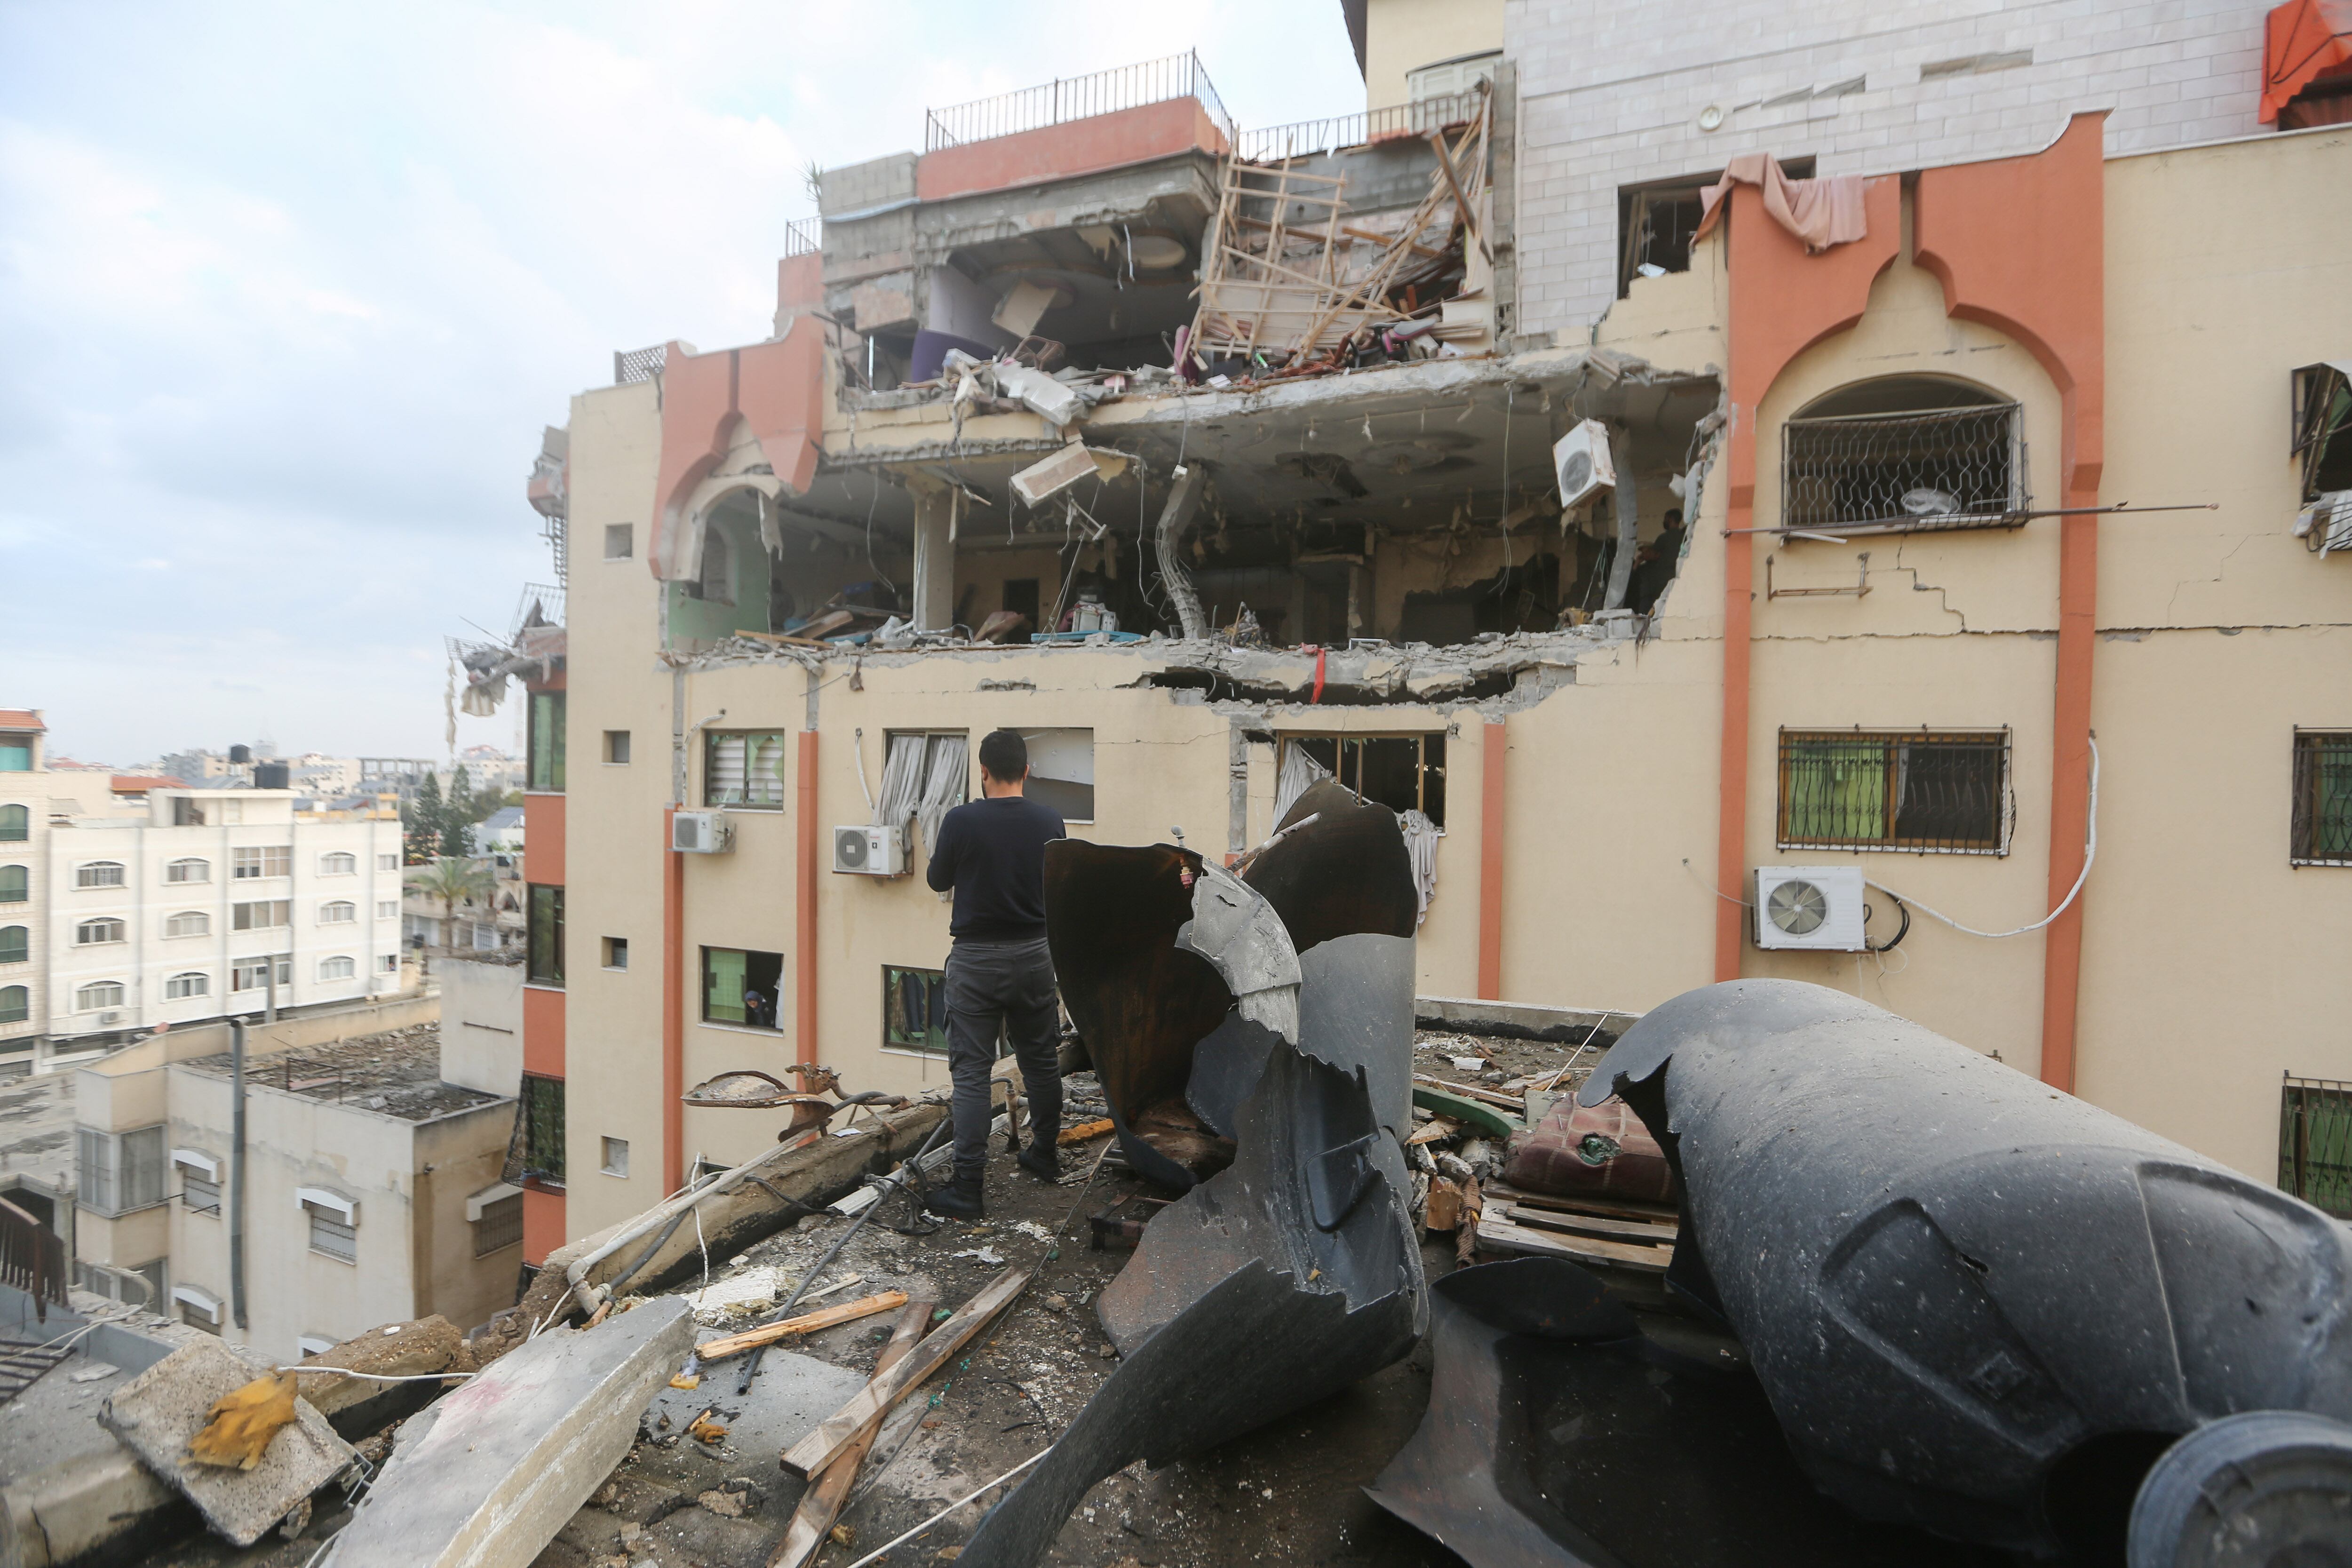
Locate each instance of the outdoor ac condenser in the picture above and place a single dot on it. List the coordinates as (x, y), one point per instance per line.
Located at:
(1580, 463)
(701, 833)
(1809, 907)
(866, 851)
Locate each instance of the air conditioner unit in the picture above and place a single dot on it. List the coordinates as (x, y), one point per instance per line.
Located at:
(106, 1018)
(701, 833)
(865, 851)
(1580, 463)
(1809, 907)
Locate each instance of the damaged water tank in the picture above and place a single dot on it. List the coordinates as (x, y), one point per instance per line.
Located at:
(1977, 1304)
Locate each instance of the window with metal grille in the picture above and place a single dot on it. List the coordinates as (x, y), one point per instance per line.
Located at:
(1403, 772)
(332, 1236)
(914, 1010)
(2320, 829)
(1905, 454)
(1923, 791)
(535, 1152)
(543, 937)
(546, 758)
(745, 768)
(2316, 1143)
(501, 1225)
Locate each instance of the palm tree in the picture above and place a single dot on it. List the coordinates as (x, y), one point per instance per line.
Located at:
(453, 880)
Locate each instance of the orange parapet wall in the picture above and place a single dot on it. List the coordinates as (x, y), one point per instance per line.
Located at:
(1075, 147)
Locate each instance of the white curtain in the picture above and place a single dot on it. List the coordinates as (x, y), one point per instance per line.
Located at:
(902, 781)
(1421, 836)
(1299, 773)
(944, 783)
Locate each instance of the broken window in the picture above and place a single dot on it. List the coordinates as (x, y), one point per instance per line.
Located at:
(543, 937)
(1062, 772)
(1403, 772)
(1917, 790)
(1900, 454)
(715, 586)
(2322, 429)
(2321, 834)
(740, 985)
(743, 769)
(925, 775)
(1655, 222)
(535, 1152)
(914, 1010)
(546, 765)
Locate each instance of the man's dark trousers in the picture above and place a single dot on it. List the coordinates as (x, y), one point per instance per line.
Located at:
(1010, 983)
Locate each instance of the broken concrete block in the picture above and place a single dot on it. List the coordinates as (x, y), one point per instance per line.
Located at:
(157, 1413)
(1046, 398)
(487, 1477)
(1019, 312)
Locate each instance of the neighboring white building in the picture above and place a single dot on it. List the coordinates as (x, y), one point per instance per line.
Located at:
(169, 912)
(33, 800)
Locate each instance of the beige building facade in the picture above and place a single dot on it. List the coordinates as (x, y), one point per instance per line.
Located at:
(1959, 532)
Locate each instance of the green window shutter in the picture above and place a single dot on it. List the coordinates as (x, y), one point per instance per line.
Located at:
(722, 985)
(1837, 792)
(2331, 835)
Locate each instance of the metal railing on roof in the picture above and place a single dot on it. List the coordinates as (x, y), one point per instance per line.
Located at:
(800, 237)
(637, 365)
(547, 599)
(1307, 137)
(1076, 97)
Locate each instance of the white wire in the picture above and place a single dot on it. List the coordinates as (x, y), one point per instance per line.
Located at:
(884, 1550)
(2090, 853)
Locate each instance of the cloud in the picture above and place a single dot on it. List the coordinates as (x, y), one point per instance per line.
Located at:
(286, 293)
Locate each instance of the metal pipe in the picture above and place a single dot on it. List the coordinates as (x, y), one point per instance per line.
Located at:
(237, 1166)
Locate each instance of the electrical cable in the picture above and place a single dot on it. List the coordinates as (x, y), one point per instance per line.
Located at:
(2090, 854)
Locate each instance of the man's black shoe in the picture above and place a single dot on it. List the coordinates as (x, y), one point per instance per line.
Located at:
(960, 1199)
(1041, 1161)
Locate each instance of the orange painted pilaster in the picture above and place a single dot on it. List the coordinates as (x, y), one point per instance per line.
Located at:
(1491, 801)
(1783, 301)
(2019, 243)
(543, 1222)
(673, 1010)
(805, 913)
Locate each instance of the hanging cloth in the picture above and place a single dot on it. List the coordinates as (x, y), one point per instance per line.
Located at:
(1821, 213)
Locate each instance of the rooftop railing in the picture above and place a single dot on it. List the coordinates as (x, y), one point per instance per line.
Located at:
(1307, 137)
(1067, 99)
(800, 237)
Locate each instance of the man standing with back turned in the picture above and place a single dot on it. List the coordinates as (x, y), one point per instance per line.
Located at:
(991, 851)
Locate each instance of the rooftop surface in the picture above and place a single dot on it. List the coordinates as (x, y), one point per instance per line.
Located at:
(397, 1073)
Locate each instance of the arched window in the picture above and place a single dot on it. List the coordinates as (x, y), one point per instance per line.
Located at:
(188, 922)
(343, 911)
(1906, 452)
(99, 874)
(337, 968)
(99, 994)
(338, 864)
(16, 1004)
(16, 944)
(12, 884)
(15, 825)
(192, 984)
(191, 870)
(91, 932)
(717, 583)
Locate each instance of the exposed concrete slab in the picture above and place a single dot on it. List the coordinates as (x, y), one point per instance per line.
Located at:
(69, 1487)
(488, 1475)
(157, 1413)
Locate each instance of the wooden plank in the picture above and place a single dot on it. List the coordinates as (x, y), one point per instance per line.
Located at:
(787, 640)
(1498, 1234)
(1588, 1225)
(807, 1323)
(821, 1503)
(838, 1431)
(1590, 1204)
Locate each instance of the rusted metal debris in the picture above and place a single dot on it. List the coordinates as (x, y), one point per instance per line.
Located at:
(1294, 1270)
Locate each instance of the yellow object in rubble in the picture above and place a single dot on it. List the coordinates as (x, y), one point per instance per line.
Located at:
(239, 1425)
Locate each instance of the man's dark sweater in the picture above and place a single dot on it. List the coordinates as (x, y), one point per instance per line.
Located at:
(991, 851)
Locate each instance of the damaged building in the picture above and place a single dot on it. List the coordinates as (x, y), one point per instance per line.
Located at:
(1217, 460)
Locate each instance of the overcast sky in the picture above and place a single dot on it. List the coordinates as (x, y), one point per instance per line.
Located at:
(286, 293)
